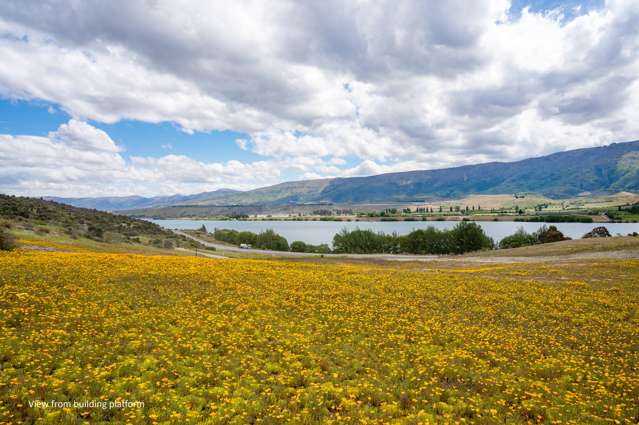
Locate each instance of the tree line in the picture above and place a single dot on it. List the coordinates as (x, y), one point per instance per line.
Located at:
(464, 237)
(267, 239)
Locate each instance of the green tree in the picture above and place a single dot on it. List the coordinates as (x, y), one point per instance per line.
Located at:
(246, 237)
(468, 236)
(427, 241)
(517, 239)
(549, 234)
(320, 249)
(226, 235)
(361, 241)
(271, 240)
(298, 246)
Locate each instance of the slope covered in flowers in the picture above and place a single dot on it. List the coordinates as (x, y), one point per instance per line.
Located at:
(241, 341)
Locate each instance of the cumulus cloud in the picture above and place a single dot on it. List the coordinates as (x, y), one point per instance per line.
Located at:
(394, 85)
(79, 159)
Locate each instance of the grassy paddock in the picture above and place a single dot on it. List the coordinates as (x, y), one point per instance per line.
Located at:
(576, 246)
(245, 341)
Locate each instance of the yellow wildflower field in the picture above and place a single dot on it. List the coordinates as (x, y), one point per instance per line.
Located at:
(246, 341)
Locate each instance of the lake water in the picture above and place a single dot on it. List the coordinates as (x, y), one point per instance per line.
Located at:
(318, 232)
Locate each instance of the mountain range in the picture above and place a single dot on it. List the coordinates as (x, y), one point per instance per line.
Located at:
(598, 170)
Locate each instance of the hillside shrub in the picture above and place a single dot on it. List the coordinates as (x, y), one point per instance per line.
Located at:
(7, 241)
(95, 232)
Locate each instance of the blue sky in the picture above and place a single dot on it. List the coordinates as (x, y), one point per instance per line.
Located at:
(138, 138)
(117, 99)
(547, 5)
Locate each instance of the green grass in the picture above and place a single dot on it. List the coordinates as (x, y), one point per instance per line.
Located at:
(578, 246)
(58, 240)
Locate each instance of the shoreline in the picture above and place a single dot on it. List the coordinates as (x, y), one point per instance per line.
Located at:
(346, 219)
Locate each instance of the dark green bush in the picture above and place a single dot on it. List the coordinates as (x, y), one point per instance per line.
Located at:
(265, 240)
(298, 246)
(7, 241)
(557, 218)
(246, 237)
(427, 241)
(95, 232)
(468, 237)
(271, 240)
(226, 235)
(319, 249)
(518, 239)
(549, 234)
(364, 242)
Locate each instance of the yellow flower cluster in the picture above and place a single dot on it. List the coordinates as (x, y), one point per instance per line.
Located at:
(244, 341)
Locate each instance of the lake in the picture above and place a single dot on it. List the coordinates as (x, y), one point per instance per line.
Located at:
(319, 232)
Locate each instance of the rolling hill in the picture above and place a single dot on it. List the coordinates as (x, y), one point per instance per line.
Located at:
(598, 170)
(49, 219)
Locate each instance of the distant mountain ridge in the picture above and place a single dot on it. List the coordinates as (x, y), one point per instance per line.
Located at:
(119, 203)
(605, 169)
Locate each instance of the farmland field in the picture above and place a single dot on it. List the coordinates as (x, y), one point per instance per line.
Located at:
(246, 341)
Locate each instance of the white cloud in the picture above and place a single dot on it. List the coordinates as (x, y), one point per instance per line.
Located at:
(80, 160)
(394, 85)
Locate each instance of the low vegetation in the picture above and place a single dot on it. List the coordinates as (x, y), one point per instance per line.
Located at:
(7, 240)
(267, 239)
(624, 213)
(464, 237)
(557, 218)
(522, 238)
(299, 246)
(242, 341)
(621, 246)
(43, 218)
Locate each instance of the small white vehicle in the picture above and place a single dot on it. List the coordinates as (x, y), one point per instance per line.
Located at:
(245, 245)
